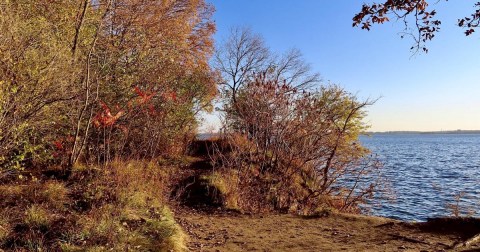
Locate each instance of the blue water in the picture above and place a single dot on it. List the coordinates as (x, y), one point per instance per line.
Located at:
(426, 172)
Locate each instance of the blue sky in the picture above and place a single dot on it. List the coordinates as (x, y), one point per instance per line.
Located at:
(435, 91)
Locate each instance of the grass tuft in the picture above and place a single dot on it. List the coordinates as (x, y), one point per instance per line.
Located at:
(224, 187)
(37, 216)
(5, 227)
(55, 193)
(177, 241)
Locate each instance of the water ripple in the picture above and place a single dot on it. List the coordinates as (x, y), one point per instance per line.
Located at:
(428, 173)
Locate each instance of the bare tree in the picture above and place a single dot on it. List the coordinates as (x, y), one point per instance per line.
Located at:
(245, 55)
(293, 70)
(242, 54)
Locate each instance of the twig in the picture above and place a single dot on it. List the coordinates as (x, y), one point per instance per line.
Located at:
(467, 243)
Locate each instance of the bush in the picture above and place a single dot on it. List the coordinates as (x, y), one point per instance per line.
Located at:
(297, 148)
(60, 102)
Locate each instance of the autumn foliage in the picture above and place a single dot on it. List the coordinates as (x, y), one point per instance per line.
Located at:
(418, 16)
(118, 78)
(296, 150)
(289, 142)
(95, 82)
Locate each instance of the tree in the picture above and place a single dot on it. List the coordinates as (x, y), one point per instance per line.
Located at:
(33, 55)
(94, 80)
(423, 19)
(288, 138)
(241, 55)
(245, 54)
(151, 63)
(298, 148)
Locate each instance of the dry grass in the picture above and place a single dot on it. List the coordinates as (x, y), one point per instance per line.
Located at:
(226, 187)
(116, 208)
(55, 193)
(37, 216)
(5, 227)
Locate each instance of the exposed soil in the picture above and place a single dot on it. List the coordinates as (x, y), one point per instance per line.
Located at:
(336, 232)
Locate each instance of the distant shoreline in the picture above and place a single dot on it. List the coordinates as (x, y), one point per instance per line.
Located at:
(424, 132)
(205, 136)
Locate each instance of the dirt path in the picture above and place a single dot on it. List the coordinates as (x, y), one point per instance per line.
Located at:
(337, 232)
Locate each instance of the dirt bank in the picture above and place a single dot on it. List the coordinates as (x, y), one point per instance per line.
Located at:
(336, 232)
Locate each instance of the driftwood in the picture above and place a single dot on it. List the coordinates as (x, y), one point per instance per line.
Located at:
(467, 243)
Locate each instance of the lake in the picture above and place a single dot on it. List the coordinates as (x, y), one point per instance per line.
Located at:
(428, 172)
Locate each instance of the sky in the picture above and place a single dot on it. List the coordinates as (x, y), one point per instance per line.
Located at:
(423, 92)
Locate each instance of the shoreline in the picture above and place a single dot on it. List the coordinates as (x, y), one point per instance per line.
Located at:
(222, 231)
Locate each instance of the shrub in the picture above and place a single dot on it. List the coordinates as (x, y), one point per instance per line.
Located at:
(297, 148)
(60, 103)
